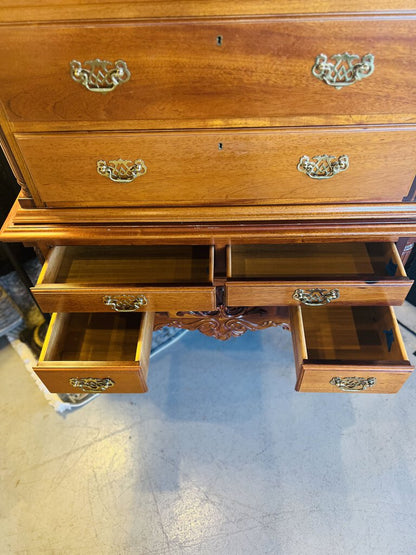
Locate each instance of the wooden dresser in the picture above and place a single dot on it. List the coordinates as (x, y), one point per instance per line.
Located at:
(217, 166)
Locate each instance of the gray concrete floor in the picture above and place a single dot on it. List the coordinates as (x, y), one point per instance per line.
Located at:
(220, 457)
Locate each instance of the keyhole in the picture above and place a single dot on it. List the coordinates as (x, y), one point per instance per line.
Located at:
(219, 40)
(219, 146)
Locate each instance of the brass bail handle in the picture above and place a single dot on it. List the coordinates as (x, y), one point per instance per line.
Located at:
(342, 70)
(125, 303)
(353, 383)
(323, 166)
(315, 297)
(98, 75)
(92, 385)
(121, 171)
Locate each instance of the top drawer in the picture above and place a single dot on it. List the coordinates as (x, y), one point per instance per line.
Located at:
(210, 73)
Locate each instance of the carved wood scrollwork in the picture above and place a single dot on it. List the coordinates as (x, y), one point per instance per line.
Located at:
(227, 322)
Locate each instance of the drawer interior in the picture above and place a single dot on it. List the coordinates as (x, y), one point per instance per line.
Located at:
(313, 261)
(129, 265)
(93, 337)
(357, 333)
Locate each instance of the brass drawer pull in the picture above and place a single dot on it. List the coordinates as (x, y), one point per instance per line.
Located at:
(315, 297)
(343, 69)
(323, 166)
(100, 75)
(353, 383)
(125, 303)
(121, 171)
(92, 385)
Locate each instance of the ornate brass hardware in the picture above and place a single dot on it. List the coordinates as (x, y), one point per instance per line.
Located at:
(353, 383)
(121, 171)
(315, 297)
(92, 385)
(323, 166)
(344, 69)
(125, 303)
(100, 75)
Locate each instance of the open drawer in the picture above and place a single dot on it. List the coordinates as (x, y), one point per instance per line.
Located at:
(100, 353)
(353, 349)
(315, 274)
(127, 279)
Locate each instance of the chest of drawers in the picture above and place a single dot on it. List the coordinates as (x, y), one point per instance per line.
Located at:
(215, 166)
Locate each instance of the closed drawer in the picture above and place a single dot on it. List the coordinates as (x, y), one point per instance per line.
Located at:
(221, 167)
(214, 73)
(336, 273)
(127, 279)
(348, 349)
(101, 353)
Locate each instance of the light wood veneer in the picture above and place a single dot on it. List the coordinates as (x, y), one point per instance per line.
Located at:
(180, 75)
(97, 346)
(205, 168)
(362, 273)
(363, 342)
(78, 279)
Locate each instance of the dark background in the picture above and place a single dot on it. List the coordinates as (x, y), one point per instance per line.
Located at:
(9, 190)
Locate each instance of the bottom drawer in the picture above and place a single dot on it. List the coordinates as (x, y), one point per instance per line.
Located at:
(348, 349)
(100, 353)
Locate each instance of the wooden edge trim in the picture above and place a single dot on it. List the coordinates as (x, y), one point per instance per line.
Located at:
(89, 289)
(214, 214)
(47, 340)
(144, 345)
(398, 261)
(51, 266)
(200, 234)
(182, 12)
(300, 331)
(83, 365)
(299, 342)
(358, 366)
(229, 262)
(211, 264)
(398, 335)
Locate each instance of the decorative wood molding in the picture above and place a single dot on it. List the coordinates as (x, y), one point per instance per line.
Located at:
(18, 228)
(306, 213)
(12, 163)
(227, 322)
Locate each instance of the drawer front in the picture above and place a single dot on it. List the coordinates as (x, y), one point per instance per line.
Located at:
(315, 274)
(243, 70)
(348, 350)
(351, 380)
(93, 379)
(123, 278)
(221, 167)
(317, 293)
(96, 353)
(95, 299)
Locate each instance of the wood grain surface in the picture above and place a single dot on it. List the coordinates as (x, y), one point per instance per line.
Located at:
(363, 274)
(180, 76)
(345, 342)
(249, 167)
(78, 279)
(99, 346)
